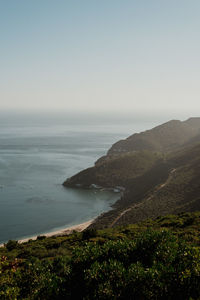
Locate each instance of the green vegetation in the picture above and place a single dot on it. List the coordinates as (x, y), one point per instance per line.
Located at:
(154, 259)
(117, 170)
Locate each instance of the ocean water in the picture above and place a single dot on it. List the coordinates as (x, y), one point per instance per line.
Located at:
(36, 155)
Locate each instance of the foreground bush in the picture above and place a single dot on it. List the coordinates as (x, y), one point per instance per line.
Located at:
(154, 265)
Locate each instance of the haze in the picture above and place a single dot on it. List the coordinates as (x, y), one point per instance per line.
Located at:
(97, 56)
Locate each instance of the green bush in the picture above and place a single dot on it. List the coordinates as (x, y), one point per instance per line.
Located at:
(11, 245)
(89, 233)
(156, 265)
(41, 237)
(127, 264)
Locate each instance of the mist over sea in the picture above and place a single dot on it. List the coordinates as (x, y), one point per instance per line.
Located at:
(37, 153)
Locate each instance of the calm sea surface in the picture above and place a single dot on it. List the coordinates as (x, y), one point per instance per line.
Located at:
(36, 156)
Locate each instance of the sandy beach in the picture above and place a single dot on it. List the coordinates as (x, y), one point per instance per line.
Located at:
(64, 231)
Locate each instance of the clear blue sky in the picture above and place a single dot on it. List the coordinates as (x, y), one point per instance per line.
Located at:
(100, 55)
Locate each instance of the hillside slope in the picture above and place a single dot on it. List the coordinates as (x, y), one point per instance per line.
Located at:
(165, 137)
(171, 186)
(154, 183)
(179, 193)
(117, 170)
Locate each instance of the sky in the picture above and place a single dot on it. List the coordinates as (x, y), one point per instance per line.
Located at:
(100, 56)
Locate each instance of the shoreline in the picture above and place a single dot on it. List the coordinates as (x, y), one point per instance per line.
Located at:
(68, 230)
(64, 231)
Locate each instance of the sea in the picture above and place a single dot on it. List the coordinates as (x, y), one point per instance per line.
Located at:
(37, 153)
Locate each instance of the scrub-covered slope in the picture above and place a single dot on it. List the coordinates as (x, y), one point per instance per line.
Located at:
(165, 137)
(154, 182)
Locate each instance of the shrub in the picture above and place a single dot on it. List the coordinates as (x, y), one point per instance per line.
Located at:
(11, 245)
(41, 237)
(89, 233)
(148, 264)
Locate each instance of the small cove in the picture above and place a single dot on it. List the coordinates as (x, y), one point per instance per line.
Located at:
(35, 158)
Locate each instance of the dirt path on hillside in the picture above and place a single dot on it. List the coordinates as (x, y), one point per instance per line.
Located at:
(157, 189)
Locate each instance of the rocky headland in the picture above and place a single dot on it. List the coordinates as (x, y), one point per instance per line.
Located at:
(156, 171)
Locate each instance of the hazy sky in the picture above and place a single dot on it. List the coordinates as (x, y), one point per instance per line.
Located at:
(114, 55)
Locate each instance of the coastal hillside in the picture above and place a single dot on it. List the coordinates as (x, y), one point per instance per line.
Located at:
(154, 259)
(117, 170)
(180, 192)
(152, 183)
(165, 137)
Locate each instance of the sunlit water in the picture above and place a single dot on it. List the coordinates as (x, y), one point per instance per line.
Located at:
(36, 157)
